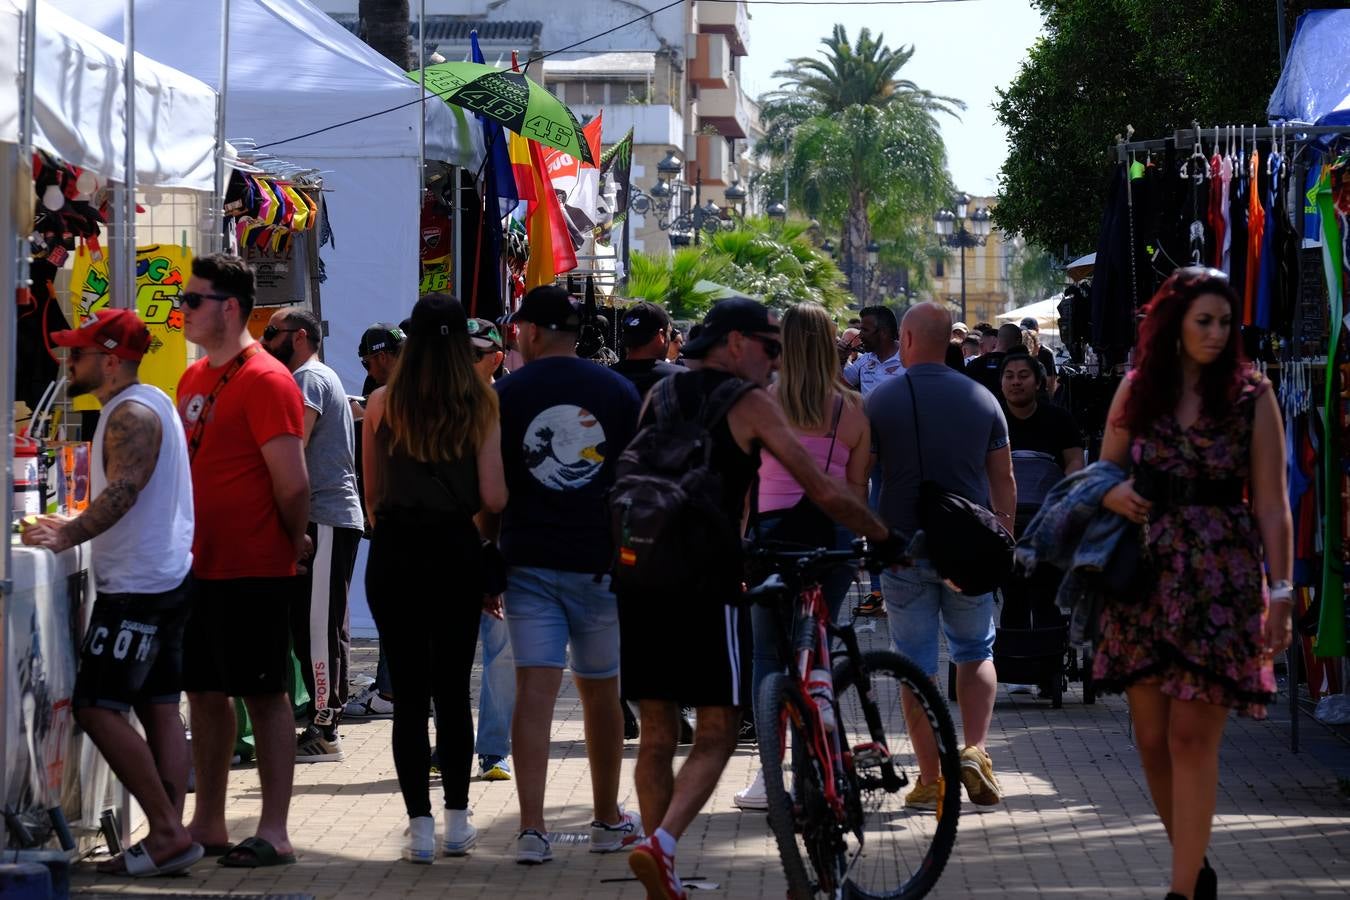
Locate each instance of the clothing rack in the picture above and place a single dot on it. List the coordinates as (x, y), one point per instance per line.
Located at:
(1182, 137)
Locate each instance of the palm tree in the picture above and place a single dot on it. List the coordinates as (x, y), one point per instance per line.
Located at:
(385, 26)
(859, 140)
(678, 282)
(860, 74)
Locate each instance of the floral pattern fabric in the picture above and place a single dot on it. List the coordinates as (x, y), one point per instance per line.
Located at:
(1199, 634)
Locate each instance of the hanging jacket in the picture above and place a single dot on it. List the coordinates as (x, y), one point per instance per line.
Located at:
(1074, 533)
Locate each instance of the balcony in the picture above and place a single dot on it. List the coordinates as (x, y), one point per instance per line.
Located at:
(725, 109)
(652, 123)
(711, 66)
(730, 19)
(712, 161)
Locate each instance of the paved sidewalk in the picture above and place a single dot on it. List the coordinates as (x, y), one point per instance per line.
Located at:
(1076, 822)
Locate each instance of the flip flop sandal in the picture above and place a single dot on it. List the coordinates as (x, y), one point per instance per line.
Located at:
(217, 849)
(140, 865)
(254, 853)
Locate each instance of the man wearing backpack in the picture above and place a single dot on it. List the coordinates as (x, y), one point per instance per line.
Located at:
(685, 640)
(564, 422)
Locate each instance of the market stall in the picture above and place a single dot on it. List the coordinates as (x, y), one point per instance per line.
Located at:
(63, 150)
(300, 86)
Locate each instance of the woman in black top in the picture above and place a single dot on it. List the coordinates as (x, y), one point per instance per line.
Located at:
(432, 462)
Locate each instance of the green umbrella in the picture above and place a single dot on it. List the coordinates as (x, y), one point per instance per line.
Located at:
(510, 98)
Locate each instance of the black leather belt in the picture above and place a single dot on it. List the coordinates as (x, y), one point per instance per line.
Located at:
(1166, 490)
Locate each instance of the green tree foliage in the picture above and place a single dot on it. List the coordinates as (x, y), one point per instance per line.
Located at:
(1106, 64)
(858, 145)
(675, 281)
(1034, 273)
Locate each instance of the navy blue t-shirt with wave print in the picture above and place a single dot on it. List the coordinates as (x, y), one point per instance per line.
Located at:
(564, 423)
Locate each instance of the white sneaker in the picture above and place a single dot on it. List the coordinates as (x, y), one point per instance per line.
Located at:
(460, 835)
(755, 796)
(421, 848)
(612, 838)
(368, 705)
(532, 848)
(1021, 688)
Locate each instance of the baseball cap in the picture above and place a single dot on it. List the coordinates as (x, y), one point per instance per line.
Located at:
(961, 327)
(1031, 324)
(438, 314)
(641, 322)
(549, 306)
(380, 336)
(733, 314)
(484, 335)
(117, 331)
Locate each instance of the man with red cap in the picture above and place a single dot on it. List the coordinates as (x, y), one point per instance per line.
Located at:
(140, 524)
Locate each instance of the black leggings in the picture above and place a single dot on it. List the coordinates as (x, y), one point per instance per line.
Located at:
(421, 581)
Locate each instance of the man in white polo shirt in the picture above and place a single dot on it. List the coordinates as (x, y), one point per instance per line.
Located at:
(140, 523)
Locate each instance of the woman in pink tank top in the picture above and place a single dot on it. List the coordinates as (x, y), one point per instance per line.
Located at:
(828, 419)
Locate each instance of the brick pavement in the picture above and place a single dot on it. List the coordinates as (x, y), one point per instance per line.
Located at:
(1076, 822)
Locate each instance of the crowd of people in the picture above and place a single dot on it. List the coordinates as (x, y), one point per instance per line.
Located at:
(479, 462)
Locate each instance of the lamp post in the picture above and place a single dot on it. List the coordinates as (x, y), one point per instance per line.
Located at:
(952, 232)
(670, 198)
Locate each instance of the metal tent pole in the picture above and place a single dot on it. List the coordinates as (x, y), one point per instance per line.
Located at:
(215, 236)
(123, 261)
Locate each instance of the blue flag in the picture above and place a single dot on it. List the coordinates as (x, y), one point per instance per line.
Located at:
(498, 169)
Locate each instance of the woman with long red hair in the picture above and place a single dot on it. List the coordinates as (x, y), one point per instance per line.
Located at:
(1202, 434)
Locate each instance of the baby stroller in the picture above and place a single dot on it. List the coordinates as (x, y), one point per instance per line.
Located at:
(1031, 643)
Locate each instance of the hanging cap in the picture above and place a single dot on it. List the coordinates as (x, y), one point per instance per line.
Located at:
(117, 331)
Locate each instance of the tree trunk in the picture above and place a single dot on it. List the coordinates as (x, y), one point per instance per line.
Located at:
(853, 247)
(385, 27)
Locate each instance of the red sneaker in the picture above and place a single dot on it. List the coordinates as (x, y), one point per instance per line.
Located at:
(656, 871)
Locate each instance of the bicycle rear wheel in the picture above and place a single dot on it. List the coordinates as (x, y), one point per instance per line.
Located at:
(902, 851)
(803, 825)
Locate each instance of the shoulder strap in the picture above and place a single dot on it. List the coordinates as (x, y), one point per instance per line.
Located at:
(914, 405)
(722, 399)
(199, 427)
(666, 401)
(834, 430)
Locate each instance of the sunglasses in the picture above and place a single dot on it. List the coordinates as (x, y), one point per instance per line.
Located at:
(272, 331)
(77, 352)
(773, 348)
(192, 299)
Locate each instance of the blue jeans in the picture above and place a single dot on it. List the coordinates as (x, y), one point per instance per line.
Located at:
(767, 624)
(917, 601)
(497, 696)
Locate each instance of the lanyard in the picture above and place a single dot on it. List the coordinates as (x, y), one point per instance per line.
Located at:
(199, 427)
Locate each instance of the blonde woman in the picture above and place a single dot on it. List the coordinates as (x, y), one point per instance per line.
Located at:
(828, 418)
(432, 462)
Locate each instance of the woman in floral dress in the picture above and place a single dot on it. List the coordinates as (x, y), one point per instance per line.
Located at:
(1203, 432)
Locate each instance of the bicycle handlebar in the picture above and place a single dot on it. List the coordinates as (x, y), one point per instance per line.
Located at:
(806, 565)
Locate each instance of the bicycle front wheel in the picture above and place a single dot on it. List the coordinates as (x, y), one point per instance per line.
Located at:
(903, 848)
(807, 831)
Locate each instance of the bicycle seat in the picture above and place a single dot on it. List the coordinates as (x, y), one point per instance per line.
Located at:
(768, 590)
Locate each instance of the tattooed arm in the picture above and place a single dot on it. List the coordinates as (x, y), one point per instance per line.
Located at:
(130, 449)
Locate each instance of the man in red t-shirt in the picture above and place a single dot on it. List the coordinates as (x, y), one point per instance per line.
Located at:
(245, 427)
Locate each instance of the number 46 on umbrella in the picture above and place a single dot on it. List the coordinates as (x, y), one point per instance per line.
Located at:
(518, 103)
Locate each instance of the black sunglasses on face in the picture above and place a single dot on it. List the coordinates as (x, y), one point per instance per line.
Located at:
(773, 348)
(272, 331)
(77, 352)
(192, 299)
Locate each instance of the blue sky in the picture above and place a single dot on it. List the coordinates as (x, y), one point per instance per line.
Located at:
(962, 50)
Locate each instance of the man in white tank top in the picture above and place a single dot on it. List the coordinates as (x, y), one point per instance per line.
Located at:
(140, 523)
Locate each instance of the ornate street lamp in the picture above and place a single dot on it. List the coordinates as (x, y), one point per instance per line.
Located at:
(952, 232)
(777, 211)
(670, 198)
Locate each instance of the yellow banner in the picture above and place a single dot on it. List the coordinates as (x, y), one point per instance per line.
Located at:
(161, 274)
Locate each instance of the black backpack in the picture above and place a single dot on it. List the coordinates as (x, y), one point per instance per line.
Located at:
(670, 529)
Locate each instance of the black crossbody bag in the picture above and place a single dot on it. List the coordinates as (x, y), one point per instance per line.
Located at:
(966, 544)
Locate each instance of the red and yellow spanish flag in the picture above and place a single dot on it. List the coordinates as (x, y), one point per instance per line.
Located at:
(551, 250)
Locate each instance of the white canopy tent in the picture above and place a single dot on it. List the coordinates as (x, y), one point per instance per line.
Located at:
(293, 75)
(1045, 312)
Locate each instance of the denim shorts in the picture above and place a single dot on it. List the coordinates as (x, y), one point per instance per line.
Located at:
(548, 609)
(915, 597)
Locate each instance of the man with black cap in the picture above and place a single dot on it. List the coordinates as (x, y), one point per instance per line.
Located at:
(378, 351)
(564, 422)
(680, 650)
(646, 338)
(140, 523)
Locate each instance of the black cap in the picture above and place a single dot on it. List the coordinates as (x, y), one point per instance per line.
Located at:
(1031, 324)
(438, 315)
(733, 314)
(641, 322)
(485, 335)
(549, 306)
(380, 336)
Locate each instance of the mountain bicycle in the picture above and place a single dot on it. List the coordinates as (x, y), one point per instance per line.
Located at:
(841, 824)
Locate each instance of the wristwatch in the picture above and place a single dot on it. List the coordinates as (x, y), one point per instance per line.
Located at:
(1282, 590)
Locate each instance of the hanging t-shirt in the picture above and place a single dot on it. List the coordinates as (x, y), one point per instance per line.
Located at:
(1256, 224)
(239, 532)
(1265, 284)
(1226, 181)
(564, 423)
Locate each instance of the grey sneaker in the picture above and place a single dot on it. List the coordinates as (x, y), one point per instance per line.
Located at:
(532, 848)
(320, 742)
(613, 838)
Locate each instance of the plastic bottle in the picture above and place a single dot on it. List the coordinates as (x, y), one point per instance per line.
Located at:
(821, 688)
